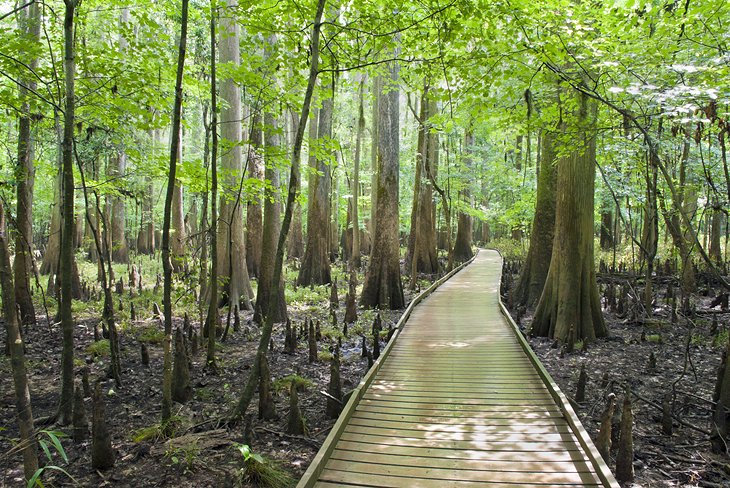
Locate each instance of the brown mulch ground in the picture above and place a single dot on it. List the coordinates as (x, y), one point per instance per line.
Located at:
(687, 357)
(203, 451)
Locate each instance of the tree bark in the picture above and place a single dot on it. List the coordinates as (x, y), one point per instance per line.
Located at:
(167, 264)
(422, 239)
(120, 248)
(17, 358)
(569, 308)
(146, 239)
(232, 267)
(355, 253)
(382, 287)
(49, 265)
(29, 25)
(65, 404)
(534, 272)
(272, 218)
(316, 269)
(254, 213)
(211, 320)
(462, 245)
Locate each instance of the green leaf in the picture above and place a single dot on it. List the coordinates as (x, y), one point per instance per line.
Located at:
(57, 445)
(44, 446)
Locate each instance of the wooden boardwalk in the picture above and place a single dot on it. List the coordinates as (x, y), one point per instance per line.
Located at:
(458, 400)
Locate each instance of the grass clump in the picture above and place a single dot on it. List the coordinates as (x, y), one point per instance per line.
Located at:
(151, 334)
(720, 340)
(300, 383)
(158, 431)
(259, 471)
(657, 338)
(99, 349)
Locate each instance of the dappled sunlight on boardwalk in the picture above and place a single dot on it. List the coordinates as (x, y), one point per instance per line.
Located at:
(456, 403)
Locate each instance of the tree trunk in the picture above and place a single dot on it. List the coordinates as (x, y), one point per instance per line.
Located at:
(569, 308)
(167, 264)
(120, 248)
(254, 217)
(377, 87)
(146, 239)
(17, 358)
(606, 230)
(65, 405)
(272, 226)
(316, 269)
(177, 244)
(29, 25)
(211, 320)
(716, 224)
(382, 287)
(232, 268)
(295, 240)
(117, 208)
(462, 245)
(294, 178)
(295, 243)
(534, 272)
(721, 414)
(49, 265)
(355, 253)
(422, 239)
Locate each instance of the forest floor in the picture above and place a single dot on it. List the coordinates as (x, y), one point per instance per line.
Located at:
(202, 449)
(686, 354)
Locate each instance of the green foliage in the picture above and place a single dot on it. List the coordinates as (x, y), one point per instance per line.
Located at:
(720, 340)
(162, 430)
(657, 338)
(99, 349)
(55, 442)
(185, 455)
(152, 334)
(300, 383)
(260, 471)
(510, 248)
(324, 356)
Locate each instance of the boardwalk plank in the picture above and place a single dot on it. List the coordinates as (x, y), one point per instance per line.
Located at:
(457, 402)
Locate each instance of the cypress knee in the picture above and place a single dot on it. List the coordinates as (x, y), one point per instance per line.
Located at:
(334, 401)
(182, 391)
(625, 456)
(267, 410)
(102, 455)
(580, 394)
(80, 424)
(295, 422)
(312, 340)
(603, 442)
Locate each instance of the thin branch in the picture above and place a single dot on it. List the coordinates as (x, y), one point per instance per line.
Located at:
(4, 16)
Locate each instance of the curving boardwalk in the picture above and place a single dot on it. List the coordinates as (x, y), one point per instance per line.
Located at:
(457, 401)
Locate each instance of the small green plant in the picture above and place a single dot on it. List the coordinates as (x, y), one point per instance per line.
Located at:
(260, 471)
(654, 338)
(698, 340)
(98, 349)
(161, 430)
(300, 383)
(55, 442)
(720, 340)
(151, 334)
(204, 394)
(185, 455)
(324, 356)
